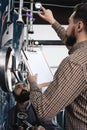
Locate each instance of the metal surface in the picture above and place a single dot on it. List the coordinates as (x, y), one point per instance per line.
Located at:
(61, 9)
(7, 78)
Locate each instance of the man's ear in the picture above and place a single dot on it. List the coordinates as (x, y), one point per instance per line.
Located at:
(80, 26)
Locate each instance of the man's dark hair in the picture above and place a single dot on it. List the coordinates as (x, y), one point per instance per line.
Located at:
(81, 13)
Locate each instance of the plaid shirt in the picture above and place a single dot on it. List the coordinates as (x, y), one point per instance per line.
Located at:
(67, 90)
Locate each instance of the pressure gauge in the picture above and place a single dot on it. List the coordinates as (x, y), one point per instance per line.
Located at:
(38, 5)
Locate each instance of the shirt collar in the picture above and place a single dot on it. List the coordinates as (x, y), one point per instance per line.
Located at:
(77, 46)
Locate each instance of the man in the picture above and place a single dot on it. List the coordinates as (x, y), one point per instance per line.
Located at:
(69, 86)
(23, 115)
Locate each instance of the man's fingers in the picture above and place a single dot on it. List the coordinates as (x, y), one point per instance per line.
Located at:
(42, 8)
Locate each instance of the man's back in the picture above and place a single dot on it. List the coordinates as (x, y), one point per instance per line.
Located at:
(76, 112)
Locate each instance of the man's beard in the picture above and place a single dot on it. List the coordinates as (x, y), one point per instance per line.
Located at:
(71, 40)
(24, 96)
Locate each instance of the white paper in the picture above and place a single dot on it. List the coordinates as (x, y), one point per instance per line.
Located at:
(37, 64)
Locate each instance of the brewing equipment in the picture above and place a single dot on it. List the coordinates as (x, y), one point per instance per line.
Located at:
(20, 20)
(7, 65)
(11, 69)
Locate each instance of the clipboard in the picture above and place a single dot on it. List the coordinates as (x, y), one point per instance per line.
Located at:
(36, 63)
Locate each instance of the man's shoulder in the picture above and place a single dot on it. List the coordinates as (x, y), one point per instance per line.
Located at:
(79, 56)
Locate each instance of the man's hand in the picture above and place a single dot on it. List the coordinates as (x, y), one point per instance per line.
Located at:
(40, 128)
(47, 15)
(32, 78)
